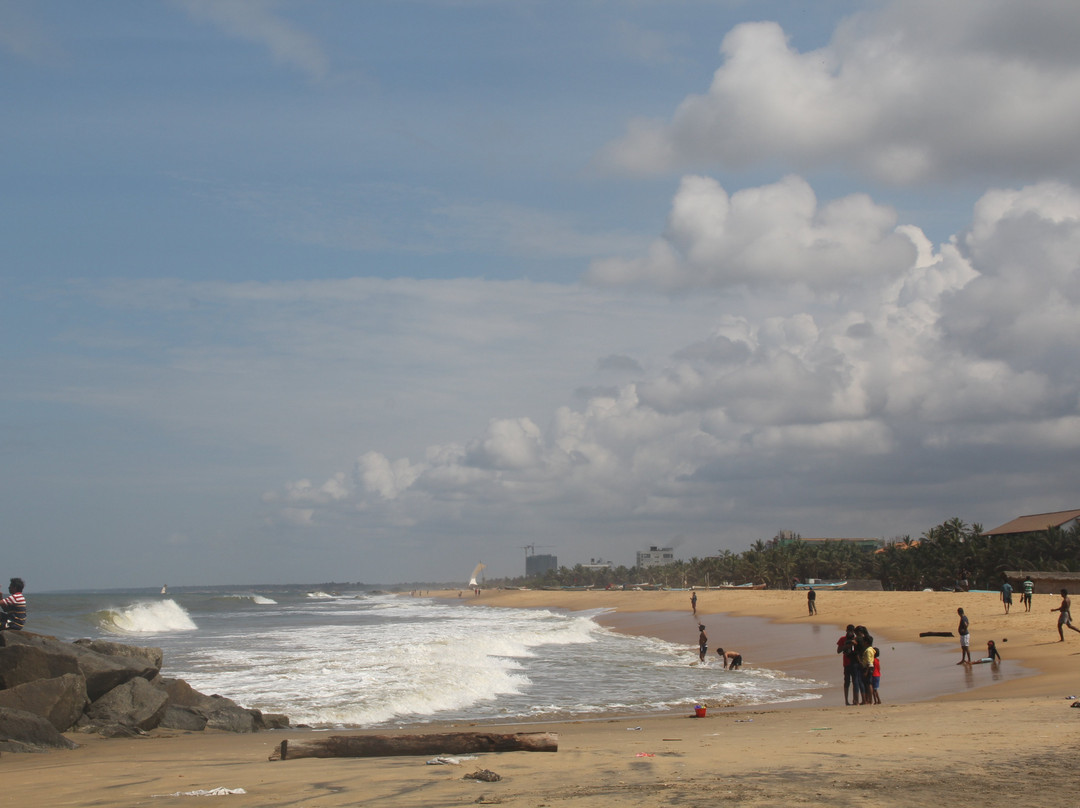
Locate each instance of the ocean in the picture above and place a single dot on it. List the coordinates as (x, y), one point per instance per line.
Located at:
(370, 660)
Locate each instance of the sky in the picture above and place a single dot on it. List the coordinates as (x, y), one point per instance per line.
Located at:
(375, 291)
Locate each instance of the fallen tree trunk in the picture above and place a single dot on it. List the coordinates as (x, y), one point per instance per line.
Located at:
(454, 743)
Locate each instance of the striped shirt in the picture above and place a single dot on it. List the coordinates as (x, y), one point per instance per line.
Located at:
(14, 607)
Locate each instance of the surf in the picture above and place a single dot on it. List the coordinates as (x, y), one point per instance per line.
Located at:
(146, 617)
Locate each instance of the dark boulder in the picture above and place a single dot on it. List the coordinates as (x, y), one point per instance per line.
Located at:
(149, 655)
(136, 703)
(21, 731)
(60, 700)
(20, 664)
(191, 719)
(102, 673)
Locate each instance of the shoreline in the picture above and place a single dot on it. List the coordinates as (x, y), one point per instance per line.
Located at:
(996, 740)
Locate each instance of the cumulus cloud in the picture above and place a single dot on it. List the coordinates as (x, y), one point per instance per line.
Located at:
(933, 358)
(907, 92)
(255, 21)
(766, 236)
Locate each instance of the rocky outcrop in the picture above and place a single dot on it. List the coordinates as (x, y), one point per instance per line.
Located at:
(48, 686)
(21, 731)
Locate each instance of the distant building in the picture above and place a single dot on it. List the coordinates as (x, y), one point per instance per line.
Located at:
(862, 544)
(1037, 523)
(537, 565)
(598, 564)
(655, 557)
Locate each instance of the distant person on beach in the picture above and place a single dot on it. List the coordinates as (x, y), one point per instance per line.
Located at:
(1064, 619)
(811, 601)
(13, 607)
(875, 678)
(992, 655)
(693, 601)
(1029, 590)
(963, 629)
(731, 659)
(846, 646)
(702, 642)
(1006, 595)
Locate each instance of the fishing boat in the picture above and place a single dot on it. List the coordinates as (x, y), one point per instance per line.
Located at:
(822, 585)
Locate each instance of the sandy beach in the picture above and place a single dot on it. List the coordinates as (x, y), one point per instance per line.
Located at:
(956, 733)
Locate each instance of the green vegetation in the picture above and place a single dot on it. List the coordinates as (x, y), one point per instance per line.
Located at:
(934, 560)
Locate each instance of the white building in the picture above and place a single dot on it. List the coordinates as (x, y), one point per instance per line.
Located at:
(655, 557)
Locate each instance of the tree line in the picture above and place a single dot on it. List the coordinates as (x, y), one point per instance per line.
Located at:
(938, 559)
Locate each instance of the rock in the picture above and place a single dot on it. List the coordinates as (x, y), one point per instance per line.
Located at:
(149, 655)
(20, 664)
(136, 703)
(102, 673)
(275, 721)
(231, 718)
(60, 700)
(186, 718)
(21, 731)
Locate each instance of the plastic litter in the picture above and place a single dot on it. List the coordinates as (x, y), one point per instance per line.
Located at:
(205, 792)
(449, 761)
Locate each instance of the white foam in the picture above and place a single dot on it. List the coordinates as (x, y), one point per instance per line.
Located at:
(147, 617)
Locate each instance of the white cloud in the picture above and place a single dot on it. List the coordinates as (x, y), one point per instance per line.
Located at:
(907, 92)
(772, 235)
(255, 20)
(894, 380)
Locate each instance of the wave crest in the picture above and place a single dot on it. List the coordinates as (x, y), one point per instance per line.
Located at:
(146, 617)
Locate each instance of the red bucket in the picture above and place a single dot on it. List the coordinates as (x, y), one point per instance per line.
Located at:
(699, 711)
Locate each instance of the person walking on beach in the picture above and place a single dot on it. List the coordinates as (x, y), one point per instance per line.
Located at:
(702, 642)
(965, 638)
(13, 607)
(1006, 595)
(1064, 619)
(1029, 590)
(811, 601)
(693, 602)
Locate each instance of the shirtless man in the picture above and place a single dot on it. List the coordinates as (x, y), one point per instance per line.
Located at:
(965, 638)
(1065, 618)
(702, 642)
(731, 659)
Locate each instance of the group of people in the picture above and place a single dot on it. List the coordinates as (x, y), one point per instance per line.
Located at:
(732, 659)
(862, 666)
(13, 607)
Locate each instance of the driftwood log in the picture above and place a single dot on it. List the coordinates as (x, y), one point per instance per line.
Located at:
(453, 743)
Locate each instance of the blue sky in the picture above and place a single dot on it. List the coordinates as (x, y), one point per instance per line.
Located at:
(377, 290)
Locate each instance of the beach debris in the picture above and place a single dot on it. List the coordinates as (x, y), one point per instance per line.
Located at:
(633, 729)
(486, 775)
(452, 743)
(1070, 697)
(935, 634)
(743, 720)
(484, 799)
(819, 729)
(449, 761)
(645, 754)
(205, 792)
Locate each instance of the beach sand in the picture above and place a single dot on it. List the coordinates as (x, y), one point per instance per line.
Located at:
(959, 733)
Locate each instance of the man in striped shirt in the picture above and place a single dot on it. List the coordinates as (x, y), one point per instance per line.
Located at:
(13, 607)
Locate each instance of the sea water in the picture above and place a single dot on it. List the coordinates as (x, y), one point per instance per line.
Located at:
(374, 660)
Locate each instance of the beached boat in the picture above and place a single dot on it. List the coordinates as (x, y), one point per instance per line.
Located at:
(823, 585)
